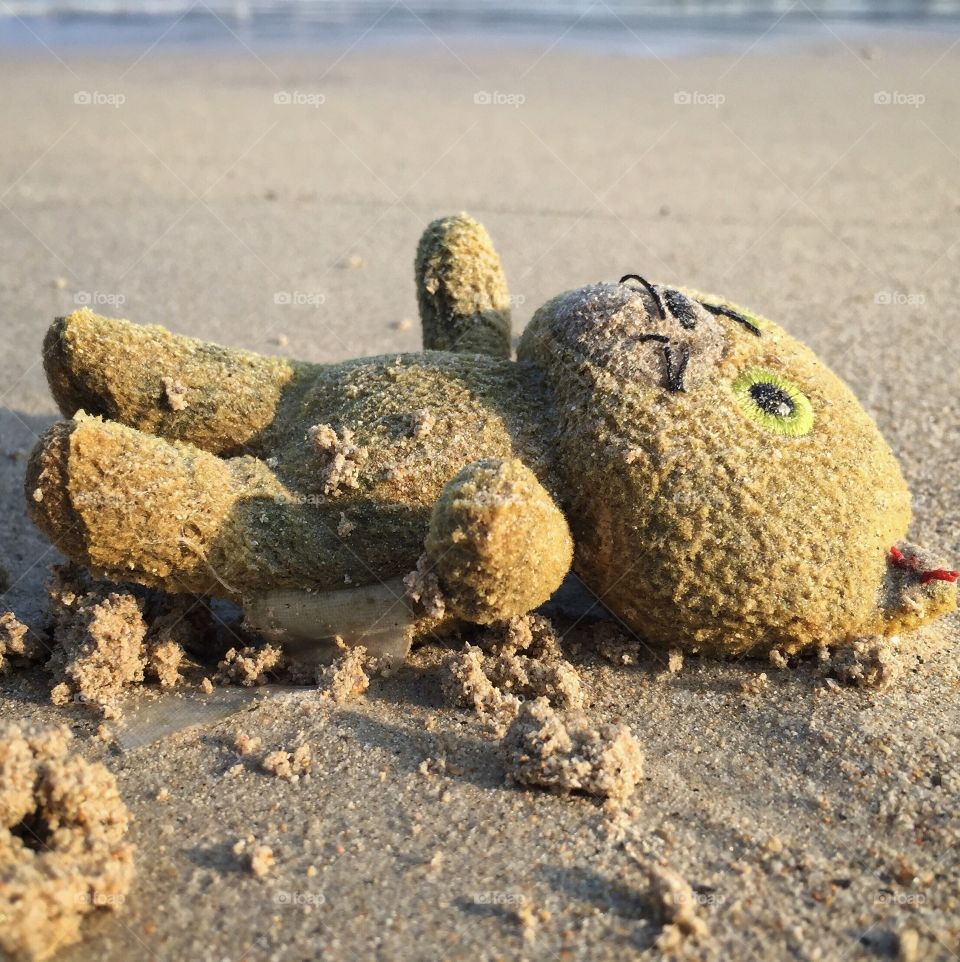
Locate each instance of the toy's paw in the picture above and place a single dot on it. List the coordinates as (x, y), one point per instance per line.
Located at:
(916, 589)
(498, 544)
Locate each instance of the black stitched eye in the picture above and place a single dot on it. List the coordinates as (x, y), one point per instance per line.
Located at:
(681, 307)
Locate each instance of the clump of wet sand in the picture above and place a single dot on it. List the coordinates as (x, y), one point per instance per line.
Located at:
(248, 666)
(18, 644)
(176, 394)
(513, 660)
(347, 677)
(871, 662)
(98, 632)
(571, 753)
(674, 905)
(290, 766)
(245, 743)
(341, 458)
(423, 588)
(259, 858)
(107, 637)
(62, 850)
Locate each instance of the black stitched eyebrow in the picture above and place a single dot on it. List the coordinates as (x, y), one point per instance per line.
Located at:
(675, 373)
(651, 290)
(681, 307)
(718, 310)
(662, 338)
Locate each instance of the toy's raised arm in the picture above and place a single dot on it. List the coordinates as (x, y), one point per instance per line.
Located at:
(461, 290)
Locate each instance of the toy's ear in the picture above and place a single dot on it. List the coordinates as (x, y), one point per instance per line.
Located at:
(915, 590)
(461, 290)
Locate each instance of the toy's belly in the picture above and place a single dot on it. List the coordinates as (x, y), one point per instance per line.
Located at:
(371, 443)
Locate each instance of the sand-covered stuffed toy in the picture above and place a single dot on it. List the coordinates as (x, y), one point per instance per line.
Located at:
(705, 475)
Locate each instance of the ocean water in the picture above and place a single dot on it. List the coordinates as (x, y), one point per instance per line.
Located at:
(645, 27)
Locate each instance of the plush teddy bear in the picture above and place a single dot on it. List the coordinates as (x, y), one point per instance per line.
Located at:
(705, 475)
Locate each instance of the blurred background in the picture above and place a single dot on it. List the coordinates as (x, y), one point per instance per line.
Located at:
(671, 25)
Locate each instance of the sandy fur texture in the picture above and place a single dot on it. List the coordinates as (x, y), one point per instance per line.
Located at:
(232, 526)
(712, 533)
(701, 527)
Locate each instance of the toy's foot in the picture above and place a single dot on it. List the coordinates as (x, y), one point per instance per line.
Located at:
(218, 399)
(497, 544)
(135, 507)
(464, 305)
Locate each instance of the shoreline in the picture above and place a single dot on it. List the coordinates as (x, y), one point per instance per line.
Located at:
(661, 36)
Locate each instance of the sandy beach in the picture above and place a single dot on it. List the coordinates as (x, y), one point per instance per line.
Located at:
(273, 201)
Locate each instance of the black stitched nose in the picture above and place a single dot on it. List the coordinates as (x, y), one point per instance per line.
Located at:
(675, 305)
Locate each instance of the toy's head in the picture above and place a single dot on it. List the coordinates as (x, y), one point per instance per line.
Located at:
(726, 491)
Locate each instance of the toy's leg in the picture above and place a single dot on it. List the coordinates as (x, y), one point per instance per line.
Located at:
(176, 387)
(498, 544)
(497, 547)
(464, 304)
(135, 507)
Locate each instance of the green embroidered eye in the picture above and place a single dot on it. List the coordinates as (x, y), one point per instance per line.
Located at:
(773, 402)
